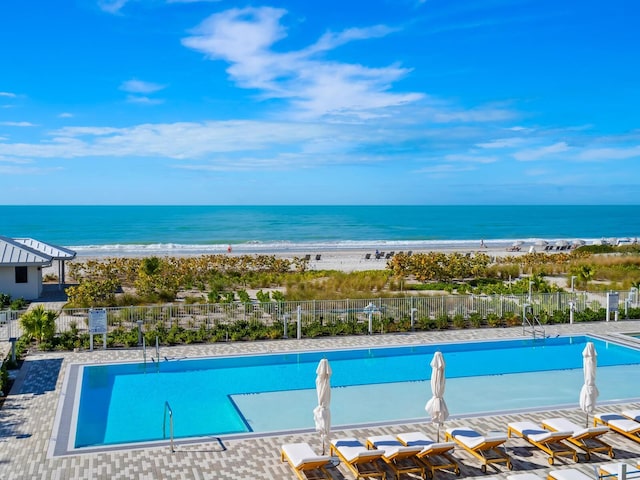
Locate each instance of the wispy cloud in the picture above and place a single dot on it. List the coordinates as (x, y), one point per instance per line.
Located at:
(533, 154)
(138, 91)
(141, 99)
(65, 115)
(314, 86)
(112, 6)
(501, 143)
(18, 124)
(139, 86)
(8, 94)
(598, 154)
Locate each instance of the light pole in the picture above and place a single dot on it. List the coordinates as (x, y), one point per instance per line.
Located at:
(573, 279)
(530, 291)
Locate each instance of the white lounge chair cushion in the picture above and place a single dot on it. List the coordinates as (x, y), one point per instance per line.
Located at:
(302, 453)
(536, 432)
(613, 468)
(413, 439)
(621, 423)
(633, 414)
(473, 439)
(391, 445)
(569, 474)
(524, 476)
(560, 424)
(352, 449)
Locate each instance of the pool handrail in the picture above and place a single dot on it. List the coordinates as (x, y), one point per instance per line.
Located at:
(167, 407)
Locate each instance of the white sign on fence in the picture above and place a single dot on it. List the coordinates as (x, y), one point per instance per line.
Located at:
(97, 320)
(613, 299)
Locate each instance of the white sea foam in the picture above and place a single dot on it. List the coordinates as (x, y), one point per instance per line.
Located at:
(284, 247)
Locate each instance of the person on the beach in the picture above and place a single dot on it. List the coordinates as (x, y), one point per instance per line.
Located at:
(482, 243)
(229, 249)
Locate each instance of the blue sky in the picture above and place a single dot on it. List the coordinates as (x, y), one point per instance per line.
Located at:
(332, 102)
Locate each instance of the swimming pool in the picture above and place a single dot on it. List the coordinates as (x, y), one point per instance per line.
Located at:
(124, 403)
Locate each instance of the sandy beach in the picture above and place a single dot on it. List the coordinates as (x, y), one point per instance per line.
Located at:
(344, 260)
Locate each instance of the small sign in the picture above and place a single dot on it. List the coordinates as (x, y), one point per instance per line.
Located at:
(98, 320)
(613, 299)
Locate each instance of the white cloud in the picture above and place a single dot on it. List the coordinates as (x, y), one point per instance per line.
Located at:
(470, 158)
(8, 94)
(597, 154)
(139, 86)
(144, 100)
(445, 168)
(112, 6)
(532, 154)
(192, 1)
(18, 124)
(502, 143)
(65, 115)
(315, 87)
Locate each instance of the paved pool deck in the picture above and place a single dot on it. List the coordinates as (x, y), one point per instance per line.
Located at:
(27, 420)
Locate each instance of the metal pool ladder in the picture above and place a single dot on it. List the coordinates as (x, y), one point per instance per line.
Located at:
(531, 324)
(167, 408)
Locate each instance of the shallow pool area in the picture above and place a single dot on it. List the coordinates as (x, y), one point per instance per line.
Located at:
(124, 403)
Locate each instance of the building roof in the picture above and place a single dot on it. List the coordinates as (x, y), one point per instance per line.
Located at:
(58, 253)
(14, 253)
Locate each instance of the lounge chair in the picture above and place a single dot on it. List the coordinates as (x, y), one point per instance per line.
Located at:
(552, 443)
(524, 476)
(484, 448)
(611, 469)
(632, 414)
(619, 424)
(568, 474)
(434, 455)
(305, 462)
(588, 439)
(318, 256)
(400, 458)
(367, 256)
(356, 457)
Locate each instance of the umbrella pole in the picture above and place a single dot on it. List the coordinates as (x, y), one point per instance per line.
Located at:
(438, 434)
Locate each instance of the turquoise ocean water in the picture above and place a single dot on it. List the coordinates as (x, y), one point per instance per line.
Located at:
(113, 230)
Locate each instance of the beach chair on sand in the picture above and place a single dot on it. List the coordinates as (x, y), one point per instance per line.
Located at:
(400, 458)
(305, 462)
(354, 455)
(434, 455)
(568, 474)
(619, 424)
(587, 439)
(552, 443)
(484, 448)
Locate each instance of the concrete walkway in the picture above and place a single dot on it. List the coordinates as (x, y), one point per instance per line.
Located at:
(27, 421)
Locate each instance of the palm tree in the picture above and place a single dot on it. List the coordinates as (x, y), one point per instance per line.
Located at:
(586, 274)
(39, 323)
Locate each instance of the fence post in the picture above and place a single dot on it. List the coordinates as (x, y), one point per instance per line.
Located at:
(299, 332)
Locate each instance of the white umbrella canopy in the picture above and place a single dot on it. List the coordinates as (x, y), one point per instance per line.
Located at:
(541, 243)
(322, 413)
(589, 392)
(436, 406)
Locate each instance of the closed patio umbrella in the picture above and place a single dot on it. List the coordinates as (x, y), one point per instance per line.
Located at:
(589, 392)
(436, 406)
(322, 413)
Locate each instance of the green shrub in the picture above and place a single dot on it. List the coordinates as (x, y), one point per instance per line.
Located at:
(475, 319)
(39, 324)
(442, 321)
(493, 320)
(459, 321)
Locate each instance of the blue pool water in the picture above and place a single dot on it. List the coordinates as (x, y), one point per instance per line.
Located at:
(124, 403)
